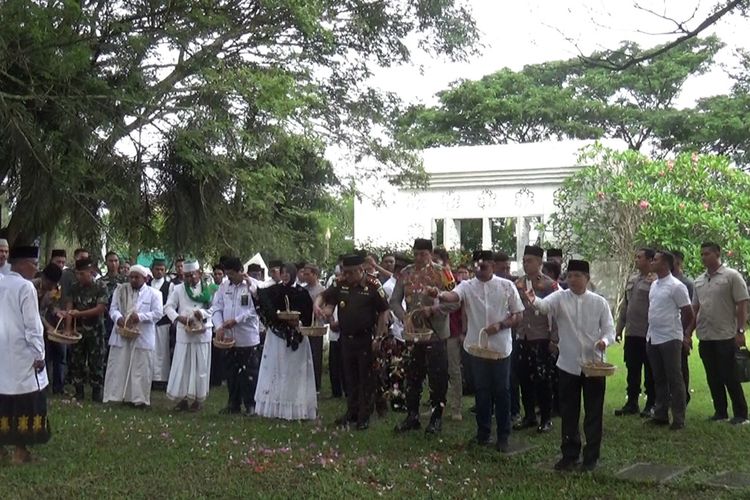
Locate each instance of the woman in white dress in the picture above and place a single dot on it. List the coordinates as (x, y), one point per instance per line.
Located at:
(286, 381)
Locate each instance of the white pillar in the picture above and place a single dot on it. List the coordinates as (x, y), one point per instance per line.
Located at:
(452, 234)
(521, 238)
(486, 234)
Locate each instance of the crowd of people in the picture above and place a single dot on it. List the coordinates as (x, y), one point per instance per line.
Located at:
(519, 343)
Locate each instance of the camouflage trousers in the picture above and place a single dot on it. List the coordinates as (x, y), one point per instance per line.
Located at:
(86, 364)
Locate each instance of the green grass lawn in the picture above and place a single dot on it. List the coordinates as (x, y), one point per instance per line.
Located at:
(112, 451)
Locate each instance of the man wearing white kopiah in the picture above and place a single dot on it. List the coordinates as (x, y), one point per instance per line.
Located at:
(135, 306)
(162, 284)
(23, 402)
(585, 329)
(492, 304)
(189, 306)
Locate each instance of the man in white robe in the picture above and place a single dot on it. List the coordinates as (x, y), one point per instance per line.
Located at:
(4, 251)
(130, 362)
(189, 305)
(162, 284)
(23, 403)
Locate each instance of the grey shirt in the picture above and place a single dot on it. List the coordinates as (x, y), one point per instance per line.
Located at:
(717, 295)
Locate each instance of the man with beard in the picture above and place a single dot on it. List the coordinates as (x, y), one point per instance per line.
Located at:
(129, 367)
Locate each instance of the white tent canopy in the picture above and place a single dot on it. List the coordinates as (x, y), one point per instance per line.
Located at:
(257, 259)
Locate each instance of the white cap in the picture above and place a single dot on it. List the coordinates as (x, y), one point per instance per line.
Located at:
(191, 266)
(4, 243)
(143, 271)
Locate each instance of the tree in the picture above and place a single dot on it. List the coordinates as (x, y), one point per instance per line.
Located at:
(81, 81)
(624, 200)
(564, 99)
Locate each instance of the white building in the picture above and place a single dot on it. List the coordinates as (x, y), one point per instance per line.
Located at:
(498, 197)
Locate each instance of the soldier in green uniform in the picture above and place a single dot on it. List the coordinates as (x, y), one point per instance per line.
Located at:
(362, 312)
(86, 304)
(111, 280)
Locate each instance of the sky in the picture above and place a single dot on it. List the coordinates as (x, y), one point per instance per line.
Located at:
(519, 32)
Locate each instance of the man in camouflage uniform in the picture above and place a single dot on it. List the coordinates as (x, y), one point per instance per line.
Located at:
(110, 281)
(86, 304)
(415, 284)
(534, 359)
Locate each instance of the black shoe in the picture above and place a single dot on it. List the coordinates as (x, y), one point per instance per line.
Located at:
(96, 394)
(718, 418)
(481, 441)
(588, 466)
(658, 422)
(739, 421)
(410, 423)
(502, 446)
(676, 426)
(525, 424)
(361, 426)
(566, 464)
(182, 406)
(473, 409)
(515, 418)
(648, 412)
(545, 427)
(80, 395)
(435, 425)
(628, 409)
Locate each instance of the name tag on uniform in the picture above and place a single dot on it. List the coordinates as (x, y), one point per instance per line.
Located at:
(245, 300)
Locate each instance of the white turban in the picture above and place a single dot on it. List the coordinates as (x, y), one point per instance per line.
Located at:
(191, 266)
(143, 271)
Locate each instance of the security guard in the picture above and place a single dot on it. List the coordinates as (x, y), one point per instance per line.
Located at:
(362, 312)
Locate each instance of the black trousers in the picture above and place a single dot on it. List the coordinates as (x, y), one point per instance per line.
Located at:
(243, 364)
(336, 369)
(686, 374)
(636, 361)
(428, 358)
(55, 355)
(535, 377)
(718, 360)
(571, 388)
(357, 355)
(515, 386)
(316, 346)
(218, 366)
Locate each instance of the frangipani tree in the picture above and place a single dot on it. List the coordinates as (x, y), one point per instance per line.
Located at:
(625, 200)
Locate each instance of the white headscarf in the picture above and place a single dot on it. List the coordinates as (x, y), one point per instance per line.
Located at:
(143, 271)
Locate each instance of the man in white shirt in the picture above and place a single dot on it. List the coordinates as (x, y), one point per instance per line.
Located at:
(130, 364)
(234, 316)
(585, 329)
(720, 304)
(162, 284)
(669, 316)
(23, 402)
(189, 305)
(4, 251)
(492, 304)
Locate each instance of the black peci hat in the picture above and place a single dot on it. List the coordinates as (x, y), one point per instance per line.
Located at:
(578, 265)
(534, 250)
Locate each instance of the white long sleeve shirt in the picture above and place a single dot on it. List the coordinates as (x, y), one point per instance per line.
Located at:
(21, 337)
(582, 321)
(236, 302)
(179, 304)
(148, 306)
